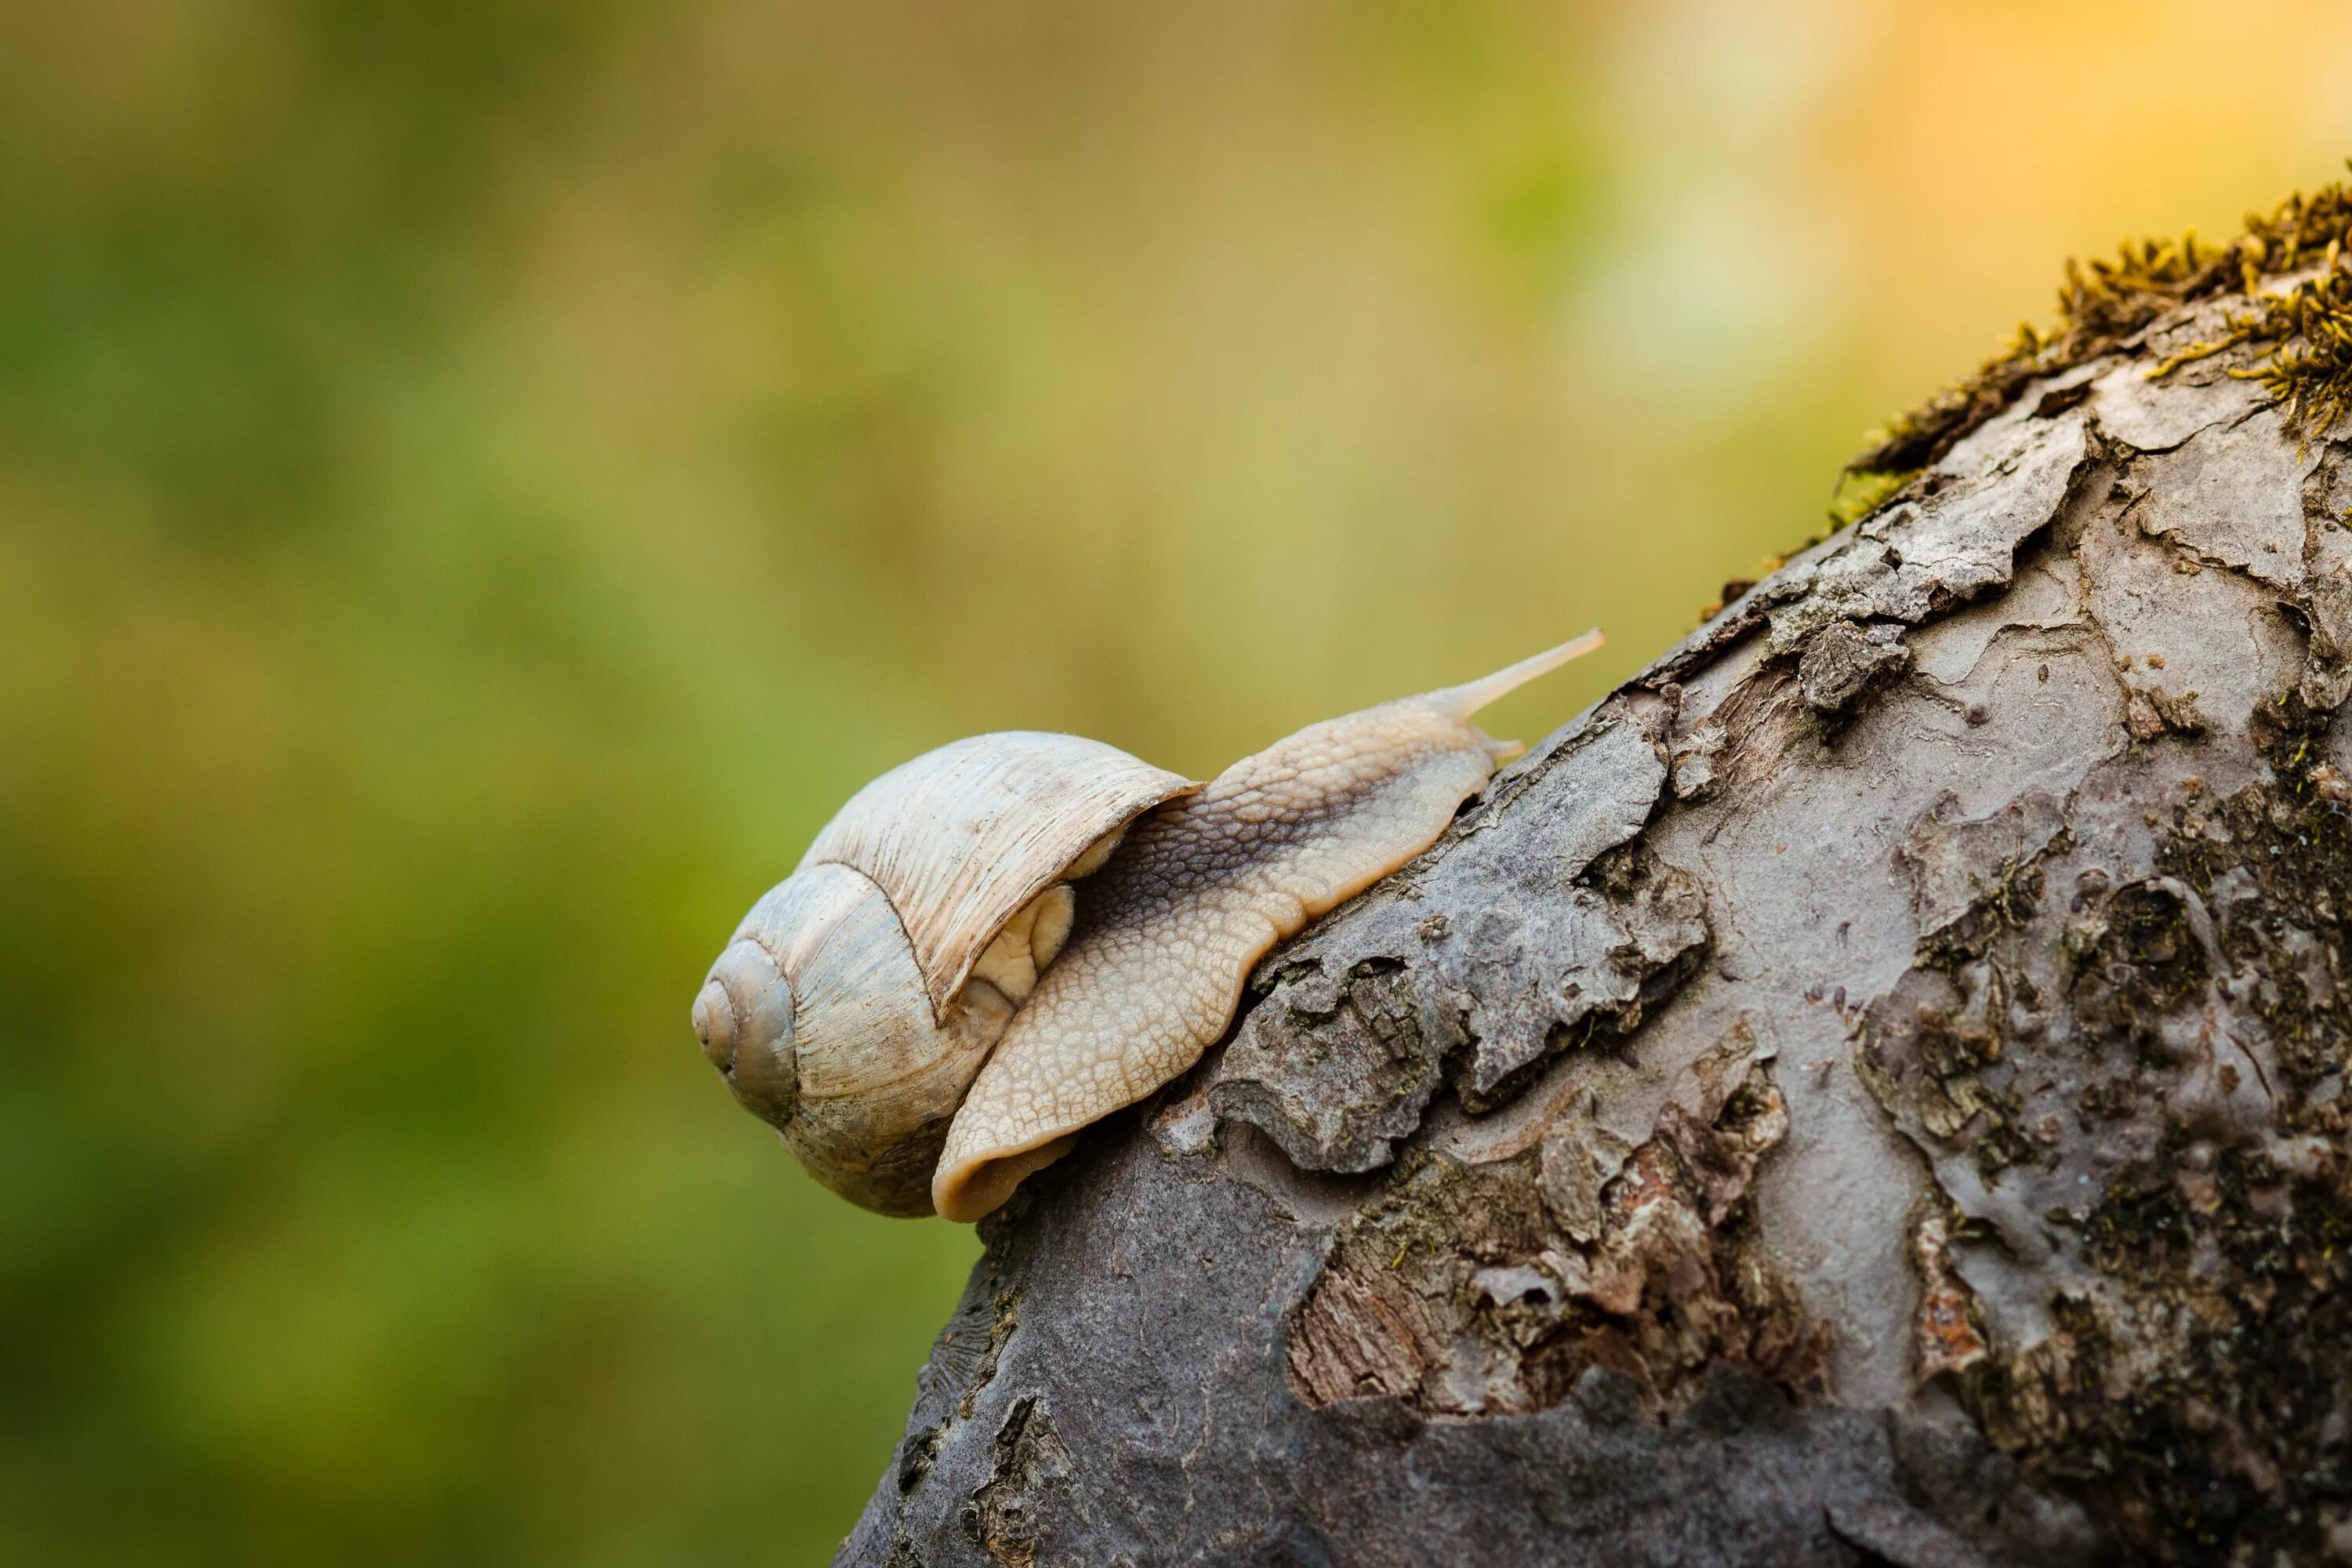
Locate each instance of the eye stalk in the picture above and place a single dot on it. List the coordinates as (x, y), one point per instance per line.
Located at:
(744, 1018)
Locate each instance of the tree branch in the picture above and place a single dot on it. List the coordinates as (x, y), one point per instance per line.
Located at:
(1870, 1090)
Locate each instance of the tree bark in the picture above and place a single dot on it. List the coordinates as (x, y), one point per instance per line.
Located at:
(1869, 1090)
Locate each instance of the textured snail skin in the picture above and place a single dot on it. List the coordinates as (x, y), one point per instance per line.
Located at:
(1202, 887)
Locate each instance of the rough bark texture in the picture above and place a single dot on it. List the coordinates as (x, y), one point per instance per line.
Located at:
(1870, 1090)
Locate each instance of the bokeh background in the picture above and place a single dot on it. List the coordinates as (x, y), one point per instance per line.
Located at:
(481, 480)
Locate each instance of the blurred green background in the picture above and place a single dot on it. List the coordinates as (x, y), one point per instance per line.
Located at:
(480, 482)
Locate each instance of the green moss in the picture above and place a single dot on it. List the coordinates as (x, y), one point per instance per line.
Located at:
(1859, 493)
(2102, 303)
(2310, 370)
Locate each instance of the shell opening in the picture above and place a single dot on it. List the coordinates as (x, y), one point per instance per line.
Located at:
(1100, 850)
(1058, 909)
(744, 1018)
(1030, 941)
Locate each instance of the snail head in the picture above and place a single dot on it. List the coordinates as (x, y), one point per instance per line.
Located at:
(743, 1016)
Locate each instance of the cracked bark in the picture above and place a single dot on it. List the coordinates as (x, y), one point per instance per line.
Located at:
(1870, 1090)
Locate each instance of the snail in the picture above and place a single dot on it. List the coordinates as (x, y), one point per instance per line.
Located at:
(1012, 936)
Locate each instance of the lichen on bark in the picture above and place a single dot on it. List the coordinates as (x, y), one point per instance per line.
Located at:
(1871, 1090)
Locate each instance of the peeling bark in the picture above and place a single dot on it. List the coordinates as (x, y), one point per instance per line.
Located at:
(1871, 1090)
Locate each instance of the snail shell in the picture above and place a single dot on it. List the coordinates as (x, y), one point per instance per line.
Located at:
(860, 996)
(906, 1008)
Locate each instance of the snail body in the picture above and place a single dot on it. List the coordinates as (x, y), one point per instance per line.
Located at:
(1013, 936)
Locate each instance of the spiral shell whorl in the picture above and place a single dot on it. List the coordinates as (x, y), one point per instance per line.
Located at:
(815, 1014)
(743, 1016)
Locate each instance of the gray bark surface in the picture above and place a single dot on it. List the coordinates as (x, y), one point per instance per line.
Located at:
(1870, 1090)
